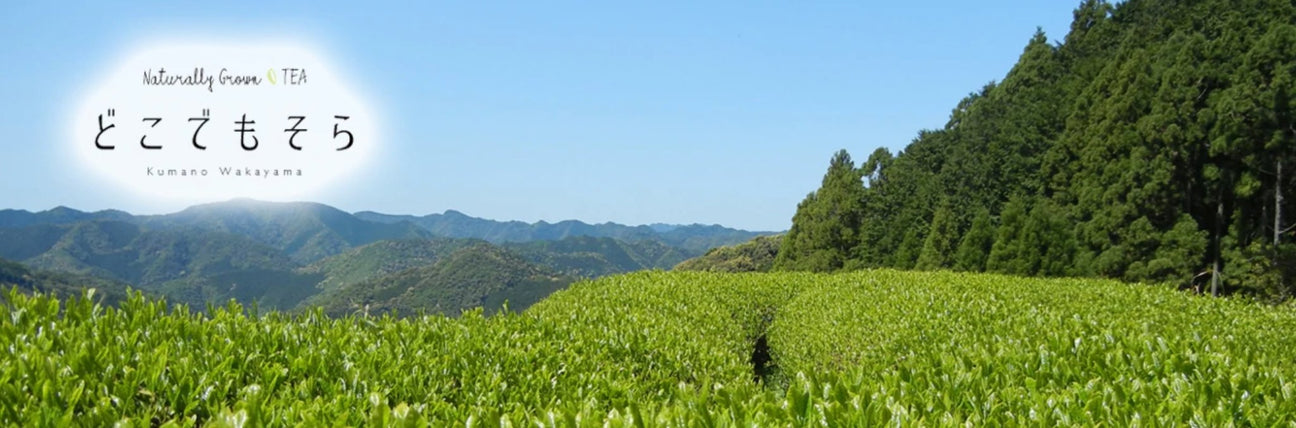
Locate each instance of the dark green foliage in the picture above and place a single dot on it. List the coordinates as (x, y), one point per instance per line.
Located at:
(60, 284)
(1006, 253)
(305, 231)
(975, 247)
(1172, 256)
(907, 254)
(1048, 247)
(190, 266)
(30, 241)
(1262, 268)
(1155, 141)
(194, 265)
(942, 237)
(756, 255)
(825, 229)
(1034, 242)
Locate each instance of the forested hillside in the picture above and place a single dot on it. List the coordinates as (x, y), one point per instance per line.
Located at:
(590, 257)
(188, 265)
(59, 284)
(1154, 142)
(756, 255)
(381, 258)
(282, 255)
(476, 275)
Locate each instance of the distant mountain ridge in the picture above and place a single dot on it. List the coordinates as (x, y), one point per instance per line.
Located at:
(56, 215)
(291, 255)
(189, 265)
(454, 224)
(591, 257)
(310, 231)
(306, 231)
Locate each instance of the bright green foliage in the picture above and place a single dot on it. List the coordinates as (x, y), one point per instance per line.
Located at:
(949, 349)
(826, 225)
(871, 348)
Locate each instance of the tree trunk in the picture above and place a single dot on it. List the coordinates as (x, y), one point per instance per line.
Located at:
(1278, 199)
(1277, 236)
(1219, 237)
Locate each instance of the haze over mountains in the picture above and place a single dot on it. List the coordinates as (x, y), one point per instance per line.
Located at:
(693, 237)
(290, 255)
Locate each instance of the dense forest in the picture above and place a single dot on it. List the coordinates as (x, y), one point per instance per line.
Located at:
(1155, 143)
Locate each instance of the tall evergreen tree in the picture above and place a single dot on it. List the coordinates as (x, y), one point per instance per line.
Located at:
(907, 255)
(942, 237)
(826, 225)
(1005, 254)
(974, 249)
(1155, 143)
(1179, 254)
(1047, 246)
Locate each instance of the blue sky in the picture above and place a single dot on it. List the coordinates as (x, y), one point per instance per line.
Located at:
(673, 112)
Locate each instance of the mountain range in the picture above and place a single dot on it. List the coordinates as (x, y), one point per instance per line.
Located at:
(297, 255)
(695, 238)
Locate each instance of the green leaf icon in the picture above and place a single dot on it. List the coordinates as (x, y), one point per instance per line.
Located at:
(270, 75)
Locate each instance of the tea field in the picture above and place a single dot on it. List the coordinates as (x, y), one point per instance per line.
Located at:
(873, 348)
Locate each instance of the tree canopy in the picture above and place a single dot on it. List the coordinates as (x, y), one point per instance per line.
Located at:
(1154, 142)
